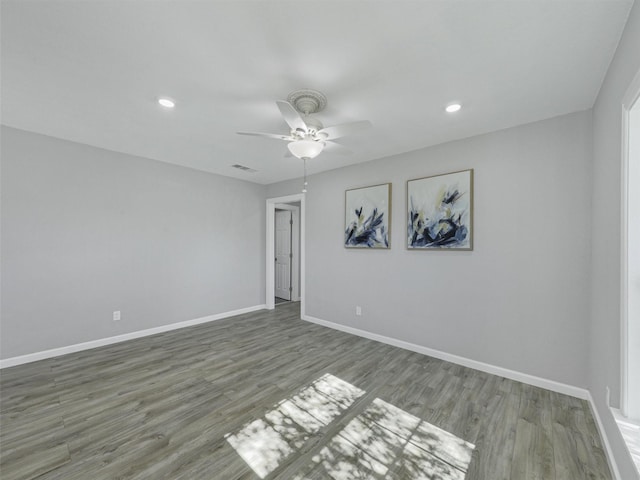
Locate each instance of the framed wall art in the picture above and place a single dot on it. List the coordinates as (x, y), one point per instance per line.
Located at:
(440, 212)
(367, 217)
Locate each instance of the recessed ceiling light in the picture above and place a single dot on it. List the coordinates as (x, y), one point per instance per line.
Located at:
(454, 107)
(166, 102)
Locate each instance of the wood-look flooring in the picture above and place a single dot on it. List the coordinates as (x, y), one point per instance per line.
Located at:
(267, 395)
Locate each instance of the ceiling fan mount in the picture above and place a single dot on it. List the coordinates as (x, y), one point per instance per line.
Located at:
(307, 101)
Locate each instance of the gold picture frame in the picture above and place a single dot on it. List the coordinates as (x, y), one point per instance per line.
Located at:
(440, 212)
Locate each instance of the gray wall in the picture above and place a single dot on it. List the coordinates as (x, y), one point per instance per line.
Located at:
(87, 231)
(605, 303)
(520, 300)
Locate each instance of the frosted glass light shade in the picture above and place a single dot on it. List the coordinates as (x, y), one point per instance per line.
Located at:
(305, 148)
(166, 102)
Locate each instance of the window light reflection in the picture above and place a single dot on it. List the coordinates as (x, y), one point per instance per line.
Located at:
(383, 441)
(264, 444)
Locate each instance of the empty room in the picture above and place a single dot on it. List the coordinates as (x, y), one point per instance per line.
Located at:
(365, 239)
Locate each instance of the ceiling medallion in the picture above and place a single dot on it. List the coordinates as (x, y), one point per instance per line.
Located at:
(307, 101)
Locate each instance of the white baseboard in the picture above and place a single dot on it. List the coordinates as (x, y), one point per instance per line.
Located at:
(605, 440)
(56, 352)
(484, 367)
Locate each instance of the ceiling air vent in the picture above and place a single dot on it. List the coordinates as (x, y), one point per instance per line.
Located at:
(243, 168)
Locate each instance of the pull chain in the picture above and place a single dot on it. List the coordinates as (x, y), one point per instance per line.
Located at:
(304, 185)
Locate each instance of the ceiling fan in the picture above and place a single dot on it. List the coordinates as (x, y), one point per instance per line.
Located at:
(308, 137)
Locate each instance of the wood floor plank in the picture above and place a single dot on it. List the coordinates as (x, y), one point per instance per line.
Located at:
(533, 450)
(494, 447)
(174, 406)
(38, 461)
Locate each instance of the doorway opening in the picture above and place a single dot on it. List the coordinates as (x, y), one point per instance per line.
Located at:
(285, 252)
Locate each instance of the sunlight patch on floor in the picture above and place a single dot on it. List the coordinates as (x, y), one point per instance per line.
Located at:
(264, 443)
(383, 441)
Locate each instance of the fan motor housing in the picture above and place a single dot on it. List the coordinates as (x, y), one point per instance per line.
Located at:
(313, 123)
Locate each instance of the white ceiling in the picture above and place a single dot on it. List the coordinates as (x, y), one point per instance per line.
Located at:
(91, 72)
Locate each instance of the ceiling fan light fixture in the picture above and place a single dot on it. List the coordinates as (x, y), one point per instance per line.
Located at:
(166, 102)
(305, 148)
(454, 107)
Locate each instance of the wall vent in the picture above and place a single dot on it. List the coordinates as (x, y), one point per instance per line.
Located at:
(243, 168)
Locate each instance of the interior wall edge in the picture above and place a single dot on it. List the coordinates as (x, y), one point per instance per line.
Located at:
(56, 352)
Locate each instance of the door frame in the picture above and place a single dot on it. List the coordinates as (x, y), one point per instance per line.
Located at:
(631, 97)
(271, 249)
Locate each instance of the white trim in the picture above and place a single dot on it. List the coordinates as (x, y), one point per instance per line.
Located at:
(628, 430)
(624, 262)
(466, 362)
(295, 249)
(613, 466)
(303, 255)
(286, 206)
(56, 352)
(270, 284)
(631, 96)
(270, 248)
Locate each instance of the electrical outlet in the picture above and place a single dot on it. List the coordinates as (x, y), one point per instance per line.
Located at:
(358, 310)
(116, 316)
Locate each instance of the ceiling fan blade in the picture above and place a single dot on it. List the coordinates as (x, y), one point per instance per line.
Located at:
(345, 129)
(291, 116)
(268, 135)
(334, 147)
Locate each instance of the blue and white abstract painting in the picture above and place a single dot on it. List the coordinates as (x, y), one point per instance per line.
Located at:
(439, 212)
(367, 219)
